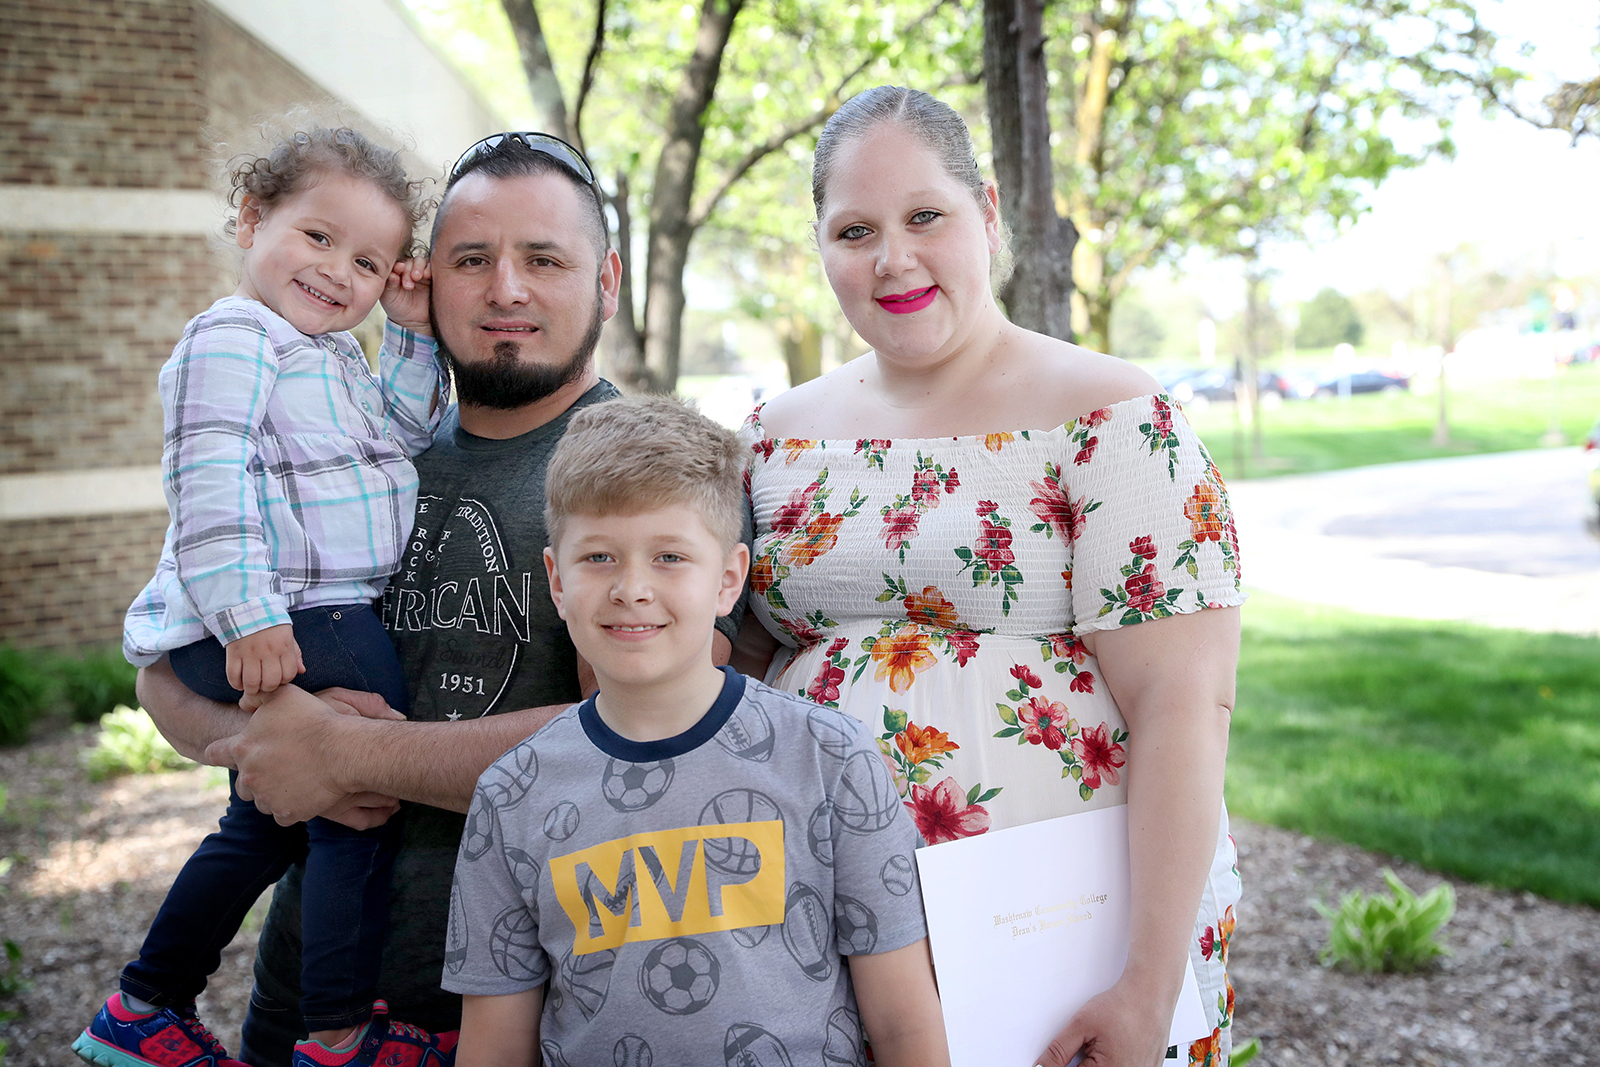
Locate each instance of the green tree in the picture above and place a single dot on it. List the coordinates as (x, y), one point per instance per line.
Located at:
(1328, 319)
(694, 102)
(1232, 123)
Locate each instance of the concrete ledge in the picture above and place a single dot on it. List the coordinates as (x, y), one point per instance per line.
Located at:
(57, 494)
(55, 209)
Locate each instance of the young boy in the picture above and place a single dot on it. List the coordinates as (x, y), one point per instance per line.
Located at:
(689, 867)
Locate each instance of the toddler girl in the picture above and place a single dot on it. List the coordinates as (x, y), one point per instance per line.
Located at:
(287, 474)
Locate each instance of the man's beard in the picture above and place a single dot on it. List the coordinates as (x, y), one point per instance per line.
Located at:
(504, 383)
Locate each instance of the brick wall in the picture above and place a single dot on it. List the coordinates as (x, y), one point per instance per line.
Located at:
(68, 581)
(131, 94)
(242, 83)
(100, 94)
(85, 323)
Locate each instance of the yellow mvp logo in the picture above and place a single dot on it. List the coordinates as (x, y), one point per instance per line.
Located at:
(671, 883)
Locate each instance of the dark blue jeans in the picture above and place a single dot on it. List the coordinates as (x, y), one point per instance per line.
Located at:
(345, 895)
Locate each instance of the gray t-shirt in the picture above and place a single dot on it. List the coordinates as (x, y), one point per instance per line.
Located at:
(471, 618)
(689, 900)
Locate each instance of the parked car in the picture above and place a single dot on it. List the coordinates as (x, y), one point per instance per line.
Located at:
(1219, 383)
(1361, 381)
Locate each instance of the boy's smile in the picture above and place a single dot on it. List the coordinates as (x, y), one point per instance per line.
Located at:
(641, 594)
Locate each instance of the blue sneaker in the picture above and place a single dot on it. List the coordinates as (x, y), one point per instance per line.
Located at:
(383, 1042)
(167, 1037)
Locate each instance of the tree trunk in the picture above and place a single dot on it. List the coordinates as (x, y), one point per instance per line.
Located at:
(1039, 294)
(1250, 373)
(652, 366)
(802, 348)
(537, 66)
(1442, 300)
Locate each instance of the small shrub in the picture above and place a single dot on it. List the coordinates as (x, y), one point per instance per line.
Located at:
(24, 694)
(1393, 933)
(95, 682)
(130, 744)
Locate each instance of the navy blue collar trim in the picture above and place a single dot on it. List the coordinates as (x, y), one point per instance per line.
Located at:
(616, 746)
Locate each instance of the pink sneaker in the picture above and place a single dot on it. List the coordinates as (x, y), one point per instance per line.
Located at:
(383, 1041)
(167, 1037)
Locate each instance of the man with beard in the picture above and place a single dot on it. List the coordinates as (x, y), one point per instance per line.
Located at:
(522, 281)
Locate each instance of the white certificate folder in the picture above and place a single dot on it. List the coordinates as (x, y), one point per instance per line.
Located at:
(1026, 925)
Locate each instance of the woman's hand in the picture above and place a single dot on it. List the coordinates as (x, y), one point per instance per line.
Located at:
(1122, 1027)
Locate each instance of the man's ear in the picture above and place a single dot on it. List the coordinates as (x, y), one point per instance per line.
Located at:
(553, 574)
(610, 282)
(735, 568)
(250, 216)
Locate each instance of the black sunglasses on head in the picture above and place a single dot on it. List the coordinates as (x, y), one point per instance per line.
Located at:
(542, 143)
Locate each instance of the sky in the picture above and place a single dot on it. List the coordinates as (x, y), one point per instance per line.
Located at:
(1525, 197)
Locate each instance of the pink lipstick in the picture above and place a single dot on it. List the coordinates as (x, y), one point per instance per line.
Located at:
(906, 303)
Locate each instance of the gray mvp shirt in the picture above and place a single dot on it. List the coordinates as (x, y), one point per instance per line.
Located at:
(690, 900)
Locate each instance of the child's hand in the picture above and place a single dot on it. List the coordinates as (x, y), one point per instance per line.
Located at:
(260, 662)
(406, 293)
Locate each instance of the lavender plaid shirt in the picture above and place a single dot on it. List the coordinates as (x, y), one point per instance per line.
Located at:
(287, 471)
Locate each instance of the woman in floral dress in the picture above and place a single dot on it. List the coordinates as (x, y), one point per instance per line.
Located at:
(1009, 556)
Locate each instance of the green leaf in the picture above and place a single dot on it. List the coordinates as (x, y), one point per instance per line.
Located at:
(964, 552)
(1015, 694)
(972, 794)
(989, 794)
(1007, 714)
(893, 720)
(1085, 792)
(1009, 731)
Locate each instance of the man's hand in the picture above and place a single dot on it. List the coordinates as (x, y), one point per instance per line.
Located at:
(406, 293)
(354, 702)
(287, 757)
(260, 662)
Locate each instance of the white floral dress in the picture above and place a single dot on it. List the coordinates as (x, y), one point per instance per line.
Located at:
(936, 588)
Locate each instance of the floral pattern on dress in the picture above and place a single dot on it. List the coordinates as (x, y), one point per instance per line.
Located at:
(1105, 511)
(874, 449)
(1160, 434)
(1059, 515)
(990, 557)
(913, 753)
(805, 530)
(1091, 757)
(944, 813)
(1210, 519)
(1142, 596)
(931, 610)
(1069, 654)
(928, 481)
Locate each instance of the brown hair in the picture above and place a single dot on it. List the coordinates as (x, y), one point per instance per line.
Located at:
(300, 157)
(639, 453)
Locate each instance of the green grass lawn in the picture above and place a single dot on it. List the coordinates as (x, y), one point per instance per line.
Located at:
(1315, 435)
(1467, 750)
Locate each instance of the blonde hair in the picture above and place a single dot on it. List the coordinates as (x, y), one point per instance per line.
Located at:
(640, 453)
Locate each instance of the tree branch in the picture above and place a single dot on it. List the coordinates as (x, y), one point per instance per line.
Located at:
(537, 66)
(575, 126)
(830, 104)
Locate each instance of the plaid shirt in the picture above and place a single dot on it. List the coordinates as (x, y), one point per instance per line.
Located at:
(287, 472)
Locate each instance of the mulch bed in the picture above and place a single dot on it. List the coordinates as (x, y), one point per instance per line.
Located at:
(91, 862)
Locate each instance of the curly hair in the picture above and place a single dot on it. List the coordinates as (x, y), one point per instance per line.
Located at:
(299, 157)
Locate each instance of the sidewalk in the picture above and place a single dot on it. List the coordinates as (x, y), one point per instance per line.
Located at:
(1495, 539)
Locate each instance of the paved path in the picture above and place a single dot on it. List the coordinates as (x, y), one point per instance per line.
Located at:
(1496, 539)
